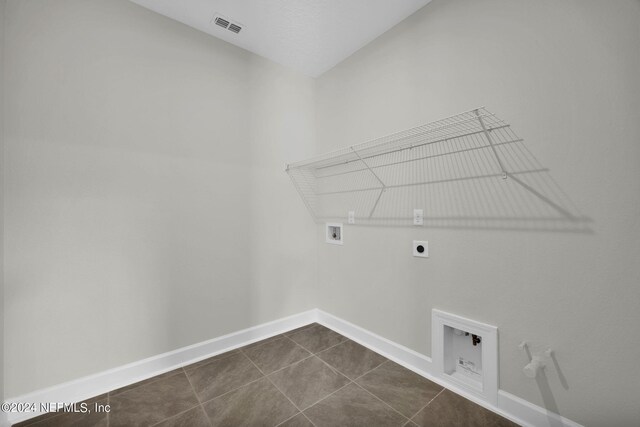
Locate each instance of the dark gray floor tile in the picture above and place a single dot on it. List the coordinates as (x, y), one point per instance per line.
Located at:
(256, 404)
(352, 406)
(210, 359)
(153, 402)
(451, 410)
(192, 418)
(308, 381)
(92, 418)
(276, 354)
(351, 358)
(404, 390)
(297, 421)
(144, 382)
(35, 420)
(221, 376)
(317, 338)
(301, 328)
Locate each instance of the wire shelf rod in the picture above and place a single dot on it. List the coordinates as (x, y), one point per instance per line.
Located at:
(439, 181)
(419, 158)
(429, 128)
(488, 136)
(340, 163)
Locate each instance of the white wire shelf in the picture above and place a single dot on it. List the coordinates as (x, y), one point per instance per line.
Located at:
(470, 169)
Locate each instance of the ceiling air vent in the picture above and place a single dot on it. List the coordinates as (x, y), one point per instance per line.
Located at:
(221, 22)
(227, 24)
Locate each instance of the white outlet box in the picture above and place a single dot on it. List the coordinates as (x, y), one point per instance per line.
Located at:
(418, 217)
(334, 233)
(352, 217)
(421, 248)
(472, 366)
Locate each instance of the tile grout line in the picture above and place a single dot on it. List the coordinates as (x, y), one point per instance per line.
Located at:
(179, 413)
(232, 353)
(235, 389)
(192, 387)
(308, 419)
(304, 328)
(299, 345)
(428, 403)
(290, 418)
(385, 403)
(197, 397)
(335, 345)
(277, 388)
(284, 367)
(181, 368)
(334, 370)
(294, 363)
(368, 372)
(327, 396)
(311, 355)
(360, 376)
(408, 418)
(281, 392)
(324, 349)
(231, 391)
(350, 382)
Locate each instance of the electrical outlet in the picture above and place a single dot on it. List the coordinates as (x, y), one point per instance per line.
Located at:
(352, 217)
(418, 217)
(421, 248)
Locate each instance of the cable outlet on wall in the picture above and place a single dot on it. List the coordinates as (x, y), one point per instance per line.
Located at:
(418, 217)
(421, 248)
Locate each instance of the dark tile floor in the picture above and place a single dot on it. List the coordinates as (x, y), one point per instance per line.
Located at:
(311, 376)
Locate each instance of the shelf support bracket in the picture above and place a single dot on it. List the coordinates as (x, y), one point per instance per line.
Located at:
(384, 187)
(367, 166)
(493, 148)
(375, 205)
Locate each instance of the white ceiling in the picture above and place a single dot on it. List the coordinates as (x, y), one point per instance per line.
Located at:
(311, 36)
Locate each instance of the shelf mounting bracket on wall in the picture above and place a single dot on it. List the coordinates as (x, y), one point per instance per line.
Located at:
(382, 189)
(493, 148)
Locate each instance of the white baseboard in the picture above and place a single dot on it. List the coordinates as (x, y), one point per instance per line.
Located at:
(534, 415)
(512, 407)
(509, 406)
(93, 385)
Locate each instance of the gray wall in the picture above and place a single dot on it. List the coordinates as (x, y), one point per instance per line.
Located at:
(565, 75)
(2, 8)
(147, 208)
(144, 189)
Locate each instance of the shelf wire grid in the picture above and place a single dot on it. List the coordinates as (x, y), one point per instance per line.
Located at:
(468, 170)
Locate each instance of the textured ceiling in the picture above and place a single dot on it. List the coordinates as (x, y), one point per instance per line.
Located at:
(311, 36)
